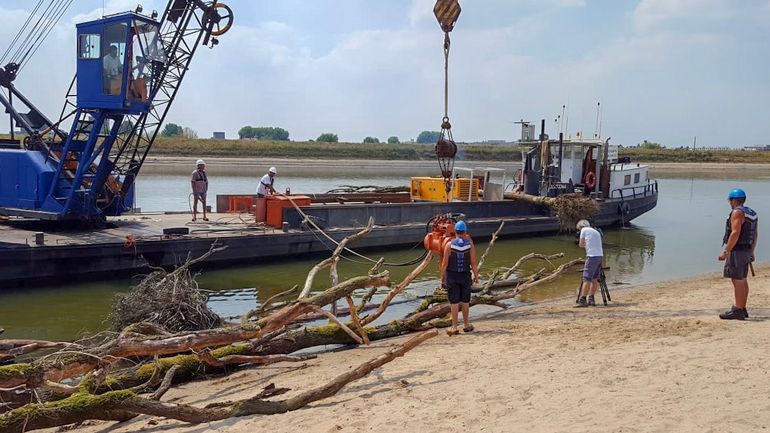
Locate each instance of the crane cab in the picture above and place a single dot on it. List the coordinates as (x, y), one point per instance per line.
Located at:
(116, 57)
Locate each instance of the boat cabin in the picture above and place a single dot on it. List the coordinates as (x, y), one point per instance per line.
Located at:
(116, 57)
(588, 165)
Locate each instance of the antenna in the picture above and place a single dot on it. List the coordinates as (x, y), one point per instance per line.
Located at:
(601, 119)
(561, 121)
(598, 109)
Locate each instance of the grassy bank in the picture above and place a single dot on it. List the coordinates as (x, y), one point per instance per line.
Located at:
(174, 146)
(684, 155)
(304, 149)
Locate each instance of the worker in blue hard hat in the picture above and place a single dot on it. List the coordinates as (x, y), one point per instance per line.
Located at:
(740, 242)
(458, 262)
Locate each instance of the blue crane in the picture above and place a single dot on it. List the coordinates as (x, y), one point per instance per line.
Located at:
(129, 69)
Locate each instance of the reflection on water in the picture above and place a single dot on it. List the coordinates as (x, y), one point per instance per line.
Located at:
(681, 237)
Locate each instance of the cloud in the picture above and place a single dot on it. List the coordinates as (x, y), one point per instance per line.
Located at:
(652, 66)
(651, 14)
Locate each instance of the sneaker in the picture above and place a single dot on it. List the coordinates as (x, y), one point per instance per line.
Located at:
(735, 314)
(591, 301)
(581, 302)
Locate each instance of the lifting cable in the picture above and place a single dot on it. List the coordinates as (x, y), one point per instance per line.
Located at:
(447, 12)
(57, 12)
(20, 32)
(315, 226)
(24, 46)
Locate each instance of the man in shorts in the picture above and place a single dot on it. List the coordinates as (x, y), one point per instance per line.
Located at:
(740, 242)
(591, 240)
(200, 186)
(457, 263)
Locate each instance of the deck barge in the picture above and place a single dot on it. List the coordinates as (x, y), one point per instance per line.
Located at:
(131, 244)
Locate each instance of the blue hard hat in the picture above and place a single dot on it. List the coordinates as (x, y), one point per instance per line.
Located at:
(736, 193)
(461, 226)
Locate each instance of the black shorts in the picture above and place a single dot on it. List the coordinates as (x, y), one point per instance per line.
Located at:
(737, 264)
(458, 287)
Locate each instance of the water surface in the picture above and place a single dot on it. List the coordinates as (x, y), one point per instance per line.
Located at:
(680, 238)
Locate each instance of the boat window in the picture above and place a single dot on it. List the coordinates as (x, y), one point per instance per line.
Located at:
(627, 180)
(89, 46)
(636, 178)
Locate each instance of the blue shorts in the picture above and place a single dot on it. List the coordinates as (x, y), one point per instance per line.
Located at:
(200, 195)
(592, 269)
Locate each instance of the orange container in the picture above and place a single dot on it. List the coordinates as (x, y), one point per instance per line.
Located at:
(276, 205)
(239, 203)
(260, 211)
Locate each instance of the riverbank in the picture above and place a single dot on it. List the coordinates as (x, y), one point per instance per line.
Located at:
(308, 166)
(657, 359)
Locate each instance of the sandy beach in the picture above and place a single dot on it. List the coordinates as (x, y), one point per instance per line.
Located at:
(657, 359)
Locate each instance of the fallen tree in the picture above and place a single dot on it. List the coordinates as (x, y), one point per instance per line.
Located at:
(123, 405)
(107, 373)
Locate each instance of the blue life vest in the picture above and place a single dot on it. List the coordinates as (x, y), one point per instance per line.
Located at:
(748, 229)
(459, 256)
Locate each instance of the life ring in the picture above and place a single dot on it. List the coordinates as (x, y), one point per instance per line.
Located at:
(590, 180)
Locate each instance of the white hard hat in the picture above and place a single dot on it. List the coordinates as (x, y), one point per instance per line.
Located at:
(200, 162)
(273, 170)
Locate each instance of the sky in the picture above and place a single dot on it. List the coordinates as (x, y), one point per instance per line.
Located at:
(663, 70)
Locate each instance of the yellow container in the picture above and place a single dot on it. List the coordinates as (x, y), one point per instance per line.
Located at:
(432, 189)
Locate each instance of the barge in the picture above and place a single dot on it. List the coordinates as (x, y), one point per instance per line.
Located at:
(34, 253)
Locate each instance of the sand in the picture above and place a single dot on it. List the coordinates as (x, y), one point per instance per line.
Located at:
(657, 359)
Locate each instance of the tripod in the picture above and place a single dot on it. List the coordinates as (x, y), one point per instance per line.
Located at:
(602, 288)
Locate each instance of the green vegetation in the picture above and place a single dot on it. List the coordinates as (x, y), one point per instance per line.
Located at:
(393, 140)
(689, 155)
(174, 130)
(371, 140)
(650, 145)
(171, 130)
(323, 150)
(264, 133)
(426, 137)
(328, 137)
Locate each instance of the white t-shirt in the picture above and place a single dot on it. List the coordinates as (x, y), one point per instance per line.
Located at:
(593, 242)
(111, 65)
(262, 188)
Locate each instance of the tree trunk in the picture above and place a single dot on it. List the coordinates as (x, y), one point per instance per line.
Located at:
(123, 405)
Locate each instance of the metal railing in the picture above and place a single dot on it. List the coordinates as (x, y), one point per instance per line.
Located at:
(650, 188)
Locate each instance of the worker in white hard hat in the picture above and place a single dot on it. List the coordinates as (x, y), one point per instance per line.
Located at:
(200, 185)
(265, 187)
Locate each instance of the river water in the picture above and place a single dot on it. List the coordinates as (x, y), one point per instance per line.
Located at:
(680, 238)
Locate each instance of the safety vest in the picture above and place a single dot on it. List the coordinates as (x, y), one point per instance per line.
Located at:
(748, 229)
(459, 256)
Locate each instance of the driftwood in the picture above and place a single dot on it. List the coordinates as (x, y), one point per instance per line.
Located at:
(568, 208)
(398, 289)
(123, 405)
(332, 261)
(491, 244)
(64, 364)
(115, 368)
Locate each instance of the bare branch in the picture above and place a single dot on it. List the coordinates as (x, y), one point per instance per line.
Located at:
(335, 256)
(491, 244)
(398, 289)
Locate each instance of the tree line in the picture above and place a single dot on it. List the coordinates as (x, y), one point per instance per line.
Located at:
(279, 134)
